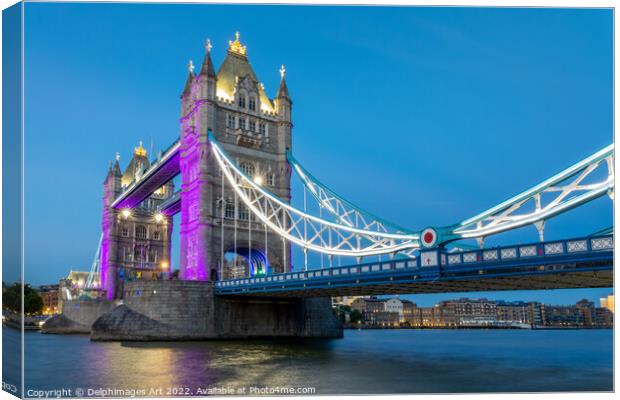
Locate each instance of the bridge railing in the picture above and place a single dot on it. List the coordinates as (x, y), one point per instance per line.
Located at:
(447, 262)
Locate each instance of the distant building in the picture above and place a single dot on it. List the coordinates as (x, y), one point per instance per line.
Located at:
(236, 268)
(608, 302)
(587, 310)
(387, 318)
(49, 294)
(395, 306)
(465, 312)
(512, 312)
(536, 313)
(73, 286)
(411, 315)
(563, 316)
(603, 318)
(468, 312)
(344, 300)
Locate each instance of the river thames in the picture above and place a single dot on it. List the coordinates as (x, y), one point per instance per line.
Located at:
(367, 361)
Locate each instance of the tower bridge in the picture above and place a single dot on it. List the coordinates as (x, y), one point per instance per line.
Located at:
(235, 160)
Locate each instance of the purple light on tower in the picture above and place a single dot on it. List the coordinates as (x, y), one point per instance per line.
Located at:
(194, 260)
(106, 224)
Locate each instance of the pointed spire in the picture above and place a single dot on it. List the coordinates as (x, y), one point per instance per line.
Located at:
(117, 168)
(207, 65)
(190, 78)
(282, 90)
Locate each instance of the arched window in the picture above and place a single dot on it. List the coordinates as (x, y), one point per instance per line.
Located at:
(229, 211)
(244, 213)
(156, 235)
(140, 232)
(242, 101)
(252, 103)
(125, 231)
(247, 169)
(139, 255)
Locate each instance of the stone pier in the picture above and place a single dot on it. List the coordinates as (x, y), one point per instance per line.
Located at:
(78, 316)
(189, 310)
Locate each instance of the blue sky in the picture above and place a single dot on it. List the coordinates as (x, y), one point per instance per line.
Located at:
(425, 116)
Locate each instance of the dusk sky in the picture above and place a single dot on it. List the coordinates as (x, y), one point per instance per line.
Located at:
(425, 116)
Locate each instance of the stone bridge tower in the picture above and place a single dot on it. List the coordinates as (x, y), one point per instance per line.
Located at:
(136, 242)
(255, 131)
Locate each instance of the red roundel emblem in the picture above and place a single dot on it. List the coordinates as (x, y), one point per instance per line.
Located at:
(429, 237)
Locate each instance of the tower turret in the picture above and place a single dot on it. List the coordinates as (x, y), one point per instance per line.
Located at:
(207, 77)
(186, 95)
(284, 105)
(283, 101)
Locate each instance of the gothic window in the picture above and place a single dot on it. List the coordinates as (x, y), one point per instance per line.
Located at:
(270, 179)
(252, 103)
(241, 101)
(139, 254)
(247, 169)
(242, 123)
(125, 231)
(243, 213)
(127, 254)
(140, 232)
(262, 128)
(252, 125)
(156, 235)
(231, 121)
(229, 210)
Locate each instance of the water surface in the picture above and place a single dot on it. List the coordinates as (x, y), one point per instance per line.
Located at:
(369, 361)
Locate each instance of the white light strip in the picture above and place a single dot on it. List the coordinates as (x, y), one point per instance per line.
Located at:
(543, 214)
(567, 173)
(345, 233)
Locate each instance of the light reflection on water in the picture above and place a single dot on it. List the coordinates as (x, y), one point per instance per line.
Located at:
(373, 361)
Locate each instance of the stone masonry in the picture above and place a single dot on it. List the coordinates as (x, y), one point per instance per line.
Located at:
(188, 310)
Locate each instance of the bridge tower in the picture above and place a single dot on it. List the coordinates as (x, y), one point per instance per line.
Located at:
(217, 231)
(136, 242)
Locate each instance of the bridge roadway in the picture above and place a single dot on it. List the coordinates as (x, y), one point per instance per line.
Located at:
(573, 263)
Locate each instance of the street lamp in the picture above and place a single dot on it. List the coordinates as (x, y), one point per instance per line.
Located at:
(159, 217)
(126, 213)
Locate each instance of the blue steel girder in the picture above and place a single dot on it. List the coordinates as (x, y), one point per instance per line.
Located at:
(556, 195)
(172, 205)
(560, 193)
(573, 263)
(160, 172)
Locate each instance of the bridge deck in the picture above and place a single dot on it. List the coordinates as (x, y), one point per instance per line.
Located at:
(575, 263)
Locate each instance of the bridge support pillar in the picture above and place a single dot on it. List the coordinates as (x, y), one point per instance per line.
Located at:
(196, 224)
(182, 310)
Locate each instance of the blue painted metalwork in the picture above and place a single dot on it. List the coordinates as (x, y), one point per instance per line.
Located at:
(554, 257)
